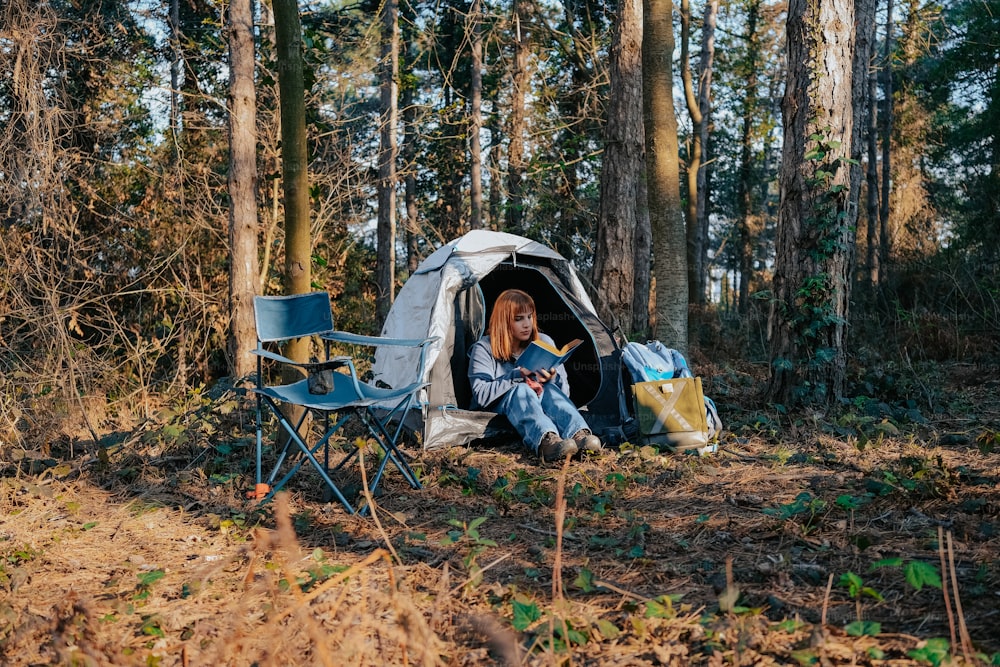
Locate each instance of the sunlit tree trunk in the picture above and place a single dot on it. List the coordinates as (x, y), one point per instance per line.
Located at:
(621, 172)
(817, 216)
(243, 268)
(385, 262)
(294, 156)
(663, 175)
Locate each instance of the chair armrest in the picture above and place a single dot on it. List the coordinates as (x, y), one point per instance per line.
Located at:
(333, 362)
(374, 341)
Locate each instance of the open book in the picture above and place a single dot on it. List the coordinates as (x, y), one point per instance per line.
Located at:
(540, 354)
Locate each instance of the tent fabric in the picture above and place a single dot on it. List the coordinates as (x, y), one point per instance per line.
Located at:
(450, 296)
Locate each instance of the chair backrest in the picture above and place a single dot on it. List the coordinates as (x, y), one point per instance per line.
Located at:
(293, 316)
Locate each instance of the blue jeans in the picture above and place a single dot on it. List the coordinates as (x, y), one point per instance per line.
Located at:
(533, 416)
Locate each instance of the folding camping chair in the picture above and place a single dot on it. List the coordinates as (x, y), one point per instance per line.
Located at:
(284, 318)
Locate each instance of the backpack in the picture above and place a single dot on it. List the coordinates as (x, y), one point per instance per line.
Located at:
(655, 362)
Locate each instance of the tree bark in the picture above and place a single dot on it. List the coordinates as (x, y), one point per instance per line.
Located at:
(476, 118)
(243, 268)
(663, 175)
(385, 260)
(699, 105)
(705, 70)
(817, 215)
(883, 212)
(872, 183)
(294, 156)
(694, 156)
(744, 187)
(516, 124)
(621, 172)
(409, 149)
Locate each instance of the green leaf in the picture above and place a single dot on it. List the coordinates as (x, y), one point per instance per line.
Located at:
(919, 574)
(805, 657)
(584, 580)
(607, 629)
(151, 577)
(872, 593)
(934, 651)
(661, 607)
(525, 614)
(853, 583)
(886, 562)
(863, 628)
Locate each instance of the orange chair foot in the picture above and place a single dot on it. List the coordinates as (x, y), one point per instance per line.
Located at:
(259, 492)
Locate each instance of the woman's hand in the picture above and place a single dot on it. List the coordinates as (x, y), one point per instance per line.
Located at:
(545, 374)
(537, 380)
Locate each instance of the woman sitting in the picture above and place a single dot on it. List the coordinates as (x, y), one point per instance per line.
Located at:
(536, 404)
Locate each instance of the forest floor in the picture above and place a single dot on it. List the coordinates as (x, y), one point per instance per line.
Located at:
(872, 538)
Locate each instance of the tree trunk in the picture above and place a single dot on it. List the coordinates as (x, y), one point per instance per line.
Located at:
(663, 175)
(410, 131)
(294, 156)
(744, 187)
(705, 69)
(694, 156)
(621, 172)
(516, 125)
(476, 118)
(816, 215)
(643, 260)
(699, 104)
(385, 261)
(242, 190)
(872, 184)
(863, 103)
(887, 111)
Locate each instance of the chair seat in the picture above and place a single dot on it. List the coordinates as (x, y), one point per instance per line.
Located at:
(342, 396)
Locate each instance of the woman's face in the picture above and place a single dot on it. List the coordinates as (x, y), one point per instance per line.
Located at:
(524, 324)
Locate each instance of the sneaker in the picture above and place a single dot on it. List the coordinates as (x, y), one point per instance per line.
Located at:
(587, 441)
(554, 448)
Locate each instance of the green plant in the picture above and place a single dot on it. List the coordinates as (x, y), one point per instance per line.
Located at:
(935, 651)
(857, 590)
(917, 573)
(804, 503)
(468, 534)
(146, 579)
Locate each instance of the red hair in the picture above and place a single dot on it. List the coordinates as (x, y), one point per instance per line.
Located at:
(510, 304)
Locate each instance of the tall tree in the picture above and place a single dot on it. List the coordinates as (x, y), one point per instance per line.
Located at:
(243, 269)
(385, 264)
(476, 116)
(749, 68)
(621, 172)
(516, 121)
(294, 155)
(815, 237)
(663, 175)
(883, 212)
(698, 101)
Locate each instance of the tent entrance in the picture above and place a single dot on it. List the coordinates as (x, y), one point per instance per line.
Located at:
(557, 317)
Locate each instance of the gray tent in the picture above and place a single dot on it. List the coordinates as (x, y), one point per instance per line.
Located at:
(450, 297)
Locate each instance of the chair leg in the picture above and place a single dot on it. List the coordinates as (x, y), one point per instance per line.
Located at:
(309, 455)
(392, 451)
